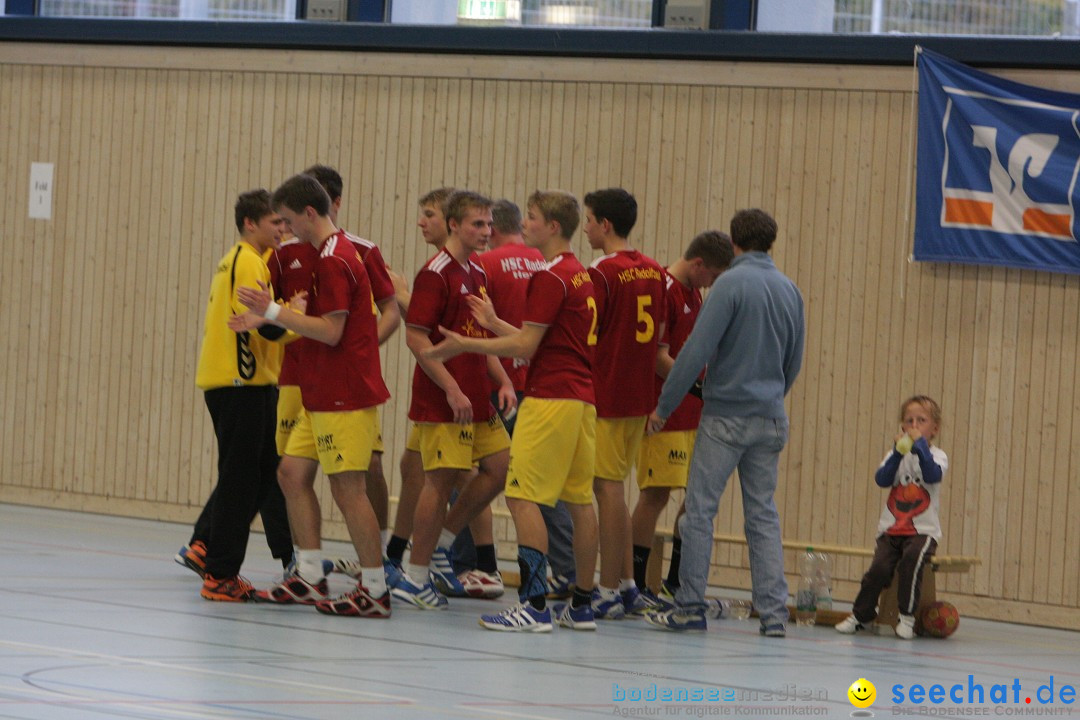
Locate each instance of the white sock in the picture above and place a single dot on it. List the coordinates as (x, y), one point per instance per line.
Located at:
(627, 584)
(309, 564)
(418, 574)
(607, 593)
(374, 580)
(446, 538)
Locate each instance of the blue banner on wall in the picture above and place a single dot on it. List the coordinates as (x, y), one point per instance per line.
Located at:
(997, 170)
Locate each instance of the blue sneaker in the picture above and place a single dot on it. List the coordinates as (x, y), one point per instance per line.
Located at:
(678, 618)
(442, 574)
(561, 586)
(575, 618)
(425, 597)
(608, 609)
(655, 602)
(522, 617)
(392, 571)
(634, 602)
(773, 630)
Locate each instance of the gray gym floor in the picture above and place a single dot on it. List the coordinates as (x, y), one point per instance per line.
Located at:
(96, 621)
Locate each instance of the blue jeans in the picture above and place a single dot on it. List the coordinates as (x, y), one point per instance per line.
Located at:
(753, 445)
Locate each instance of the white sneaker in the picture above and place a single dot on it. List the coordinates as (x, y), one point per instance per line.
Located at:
(480, 584)
(905, 627)
(848, 625)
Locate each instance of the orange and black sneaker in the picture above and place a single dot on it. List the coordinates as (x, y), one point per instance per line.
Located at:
(193, 557)
(233, 589)
(357, 603)
(293, 590)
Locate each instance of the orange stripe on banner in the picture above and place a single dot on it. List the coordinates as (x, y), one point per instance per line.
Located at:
(1037, 220)
(969, 212)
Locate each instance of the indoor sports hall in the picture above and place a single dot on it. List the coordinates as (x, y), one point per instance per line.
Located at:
(934, 257)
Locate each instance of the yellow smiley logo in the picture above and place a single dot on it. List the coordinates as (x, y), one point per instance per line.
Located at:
(862, 693)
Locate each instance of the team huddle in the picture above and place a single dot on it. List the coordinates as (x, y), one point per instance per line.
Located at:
(535, 376)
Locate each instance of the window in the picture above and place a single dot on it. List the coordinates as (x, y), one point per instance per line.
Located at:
(186, 9)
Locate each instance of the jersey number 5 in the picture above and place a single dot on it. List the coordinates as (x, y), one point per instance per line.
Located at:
(646, 334)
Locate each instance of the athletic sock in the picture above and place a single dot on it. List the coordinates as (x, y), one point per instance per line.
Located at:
(627, 584)
(580, 597)
(641, 562)
(384, 538)
(374, 579)
(533, 567)
(309, 564)
(395, 549)
(676, 558)
(418, 574)
(446, 538)
(486, 560)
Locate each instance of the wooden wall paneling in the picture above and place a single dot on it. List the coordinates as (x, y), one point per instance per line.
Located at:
(10, 322)
(1069, 412)
(582, 167)
(603, 134)
(1024, 492)
(25, 280)
(56, 407)
(1052, 483)
(685, 181)
(1032, 579)
(1071, 575)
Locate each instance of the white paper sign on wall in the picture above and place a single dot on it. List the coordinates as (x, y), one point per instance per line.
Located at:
(41, 191)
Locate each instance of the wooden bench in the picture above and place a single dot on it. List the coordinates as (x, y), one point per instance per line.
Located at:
(887, 604)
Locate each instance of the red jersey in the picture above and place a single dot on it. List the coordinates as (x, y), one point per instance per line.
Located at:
(683, 306)
(630, 302)
(560, 298)
(438, 298)
(347, 376)
(382, 287)
(508, 271)
(292, 267)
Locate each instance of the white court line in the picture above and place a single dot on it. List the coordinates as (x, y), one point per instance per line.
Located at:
(504, 713)
(69, 697)
(69, 653)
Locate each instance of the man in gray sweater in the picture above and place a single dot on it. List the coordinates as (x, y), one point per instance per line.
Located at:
(750, 335)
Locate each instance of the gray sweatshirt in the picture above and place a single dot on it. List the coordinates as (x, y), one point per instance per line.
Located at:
(750, 334)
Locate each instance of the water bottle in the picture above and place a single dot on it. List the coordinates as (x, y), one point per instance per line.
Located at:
(823, 581)
(806, 596)
(806, 602)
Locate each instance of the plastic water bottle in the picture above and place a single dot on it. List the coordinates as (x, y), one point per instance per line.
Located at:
(823, 581)
(806, 596)
(806, 602)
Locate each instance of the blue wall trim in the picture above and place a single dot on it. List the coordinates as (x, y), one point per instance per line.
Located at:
(1046, 53)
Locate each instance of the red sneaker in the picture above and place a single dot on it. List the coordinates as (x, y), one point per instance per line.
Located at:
(293, 590)
(357, 603)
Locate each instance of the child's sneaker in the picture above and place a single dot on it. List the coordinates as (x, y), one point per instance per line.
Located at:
(193, 557)
(774, 630)
(634, 602)
(232, 589)
(442, 573)
(357, 603)
(678, 618)
(849, 625)
(293, 590)
(392, 571)
(522, 617)
(607, 609)
(561, 586)
(575, 618)
(480, 584)
(425, 596)
(905, 627)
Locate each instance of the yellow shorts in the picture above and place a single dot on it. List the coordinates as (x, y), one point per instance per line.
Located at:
(378, 446)
(413, 441)
(449, 445)
(340, 441)
(617, 444)
(664, 460)
(289, 409)
(553, 452)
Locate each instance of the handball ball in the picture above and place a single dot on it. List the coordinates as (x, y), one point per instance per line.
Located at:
(940, 619)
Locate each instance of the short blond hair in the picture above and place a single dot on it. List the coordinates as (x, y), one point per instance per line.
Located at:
(560, 206)
(929, 403)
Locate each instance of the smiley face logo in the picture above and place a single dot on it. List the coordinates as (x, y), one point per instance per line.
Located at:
(862, 693)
